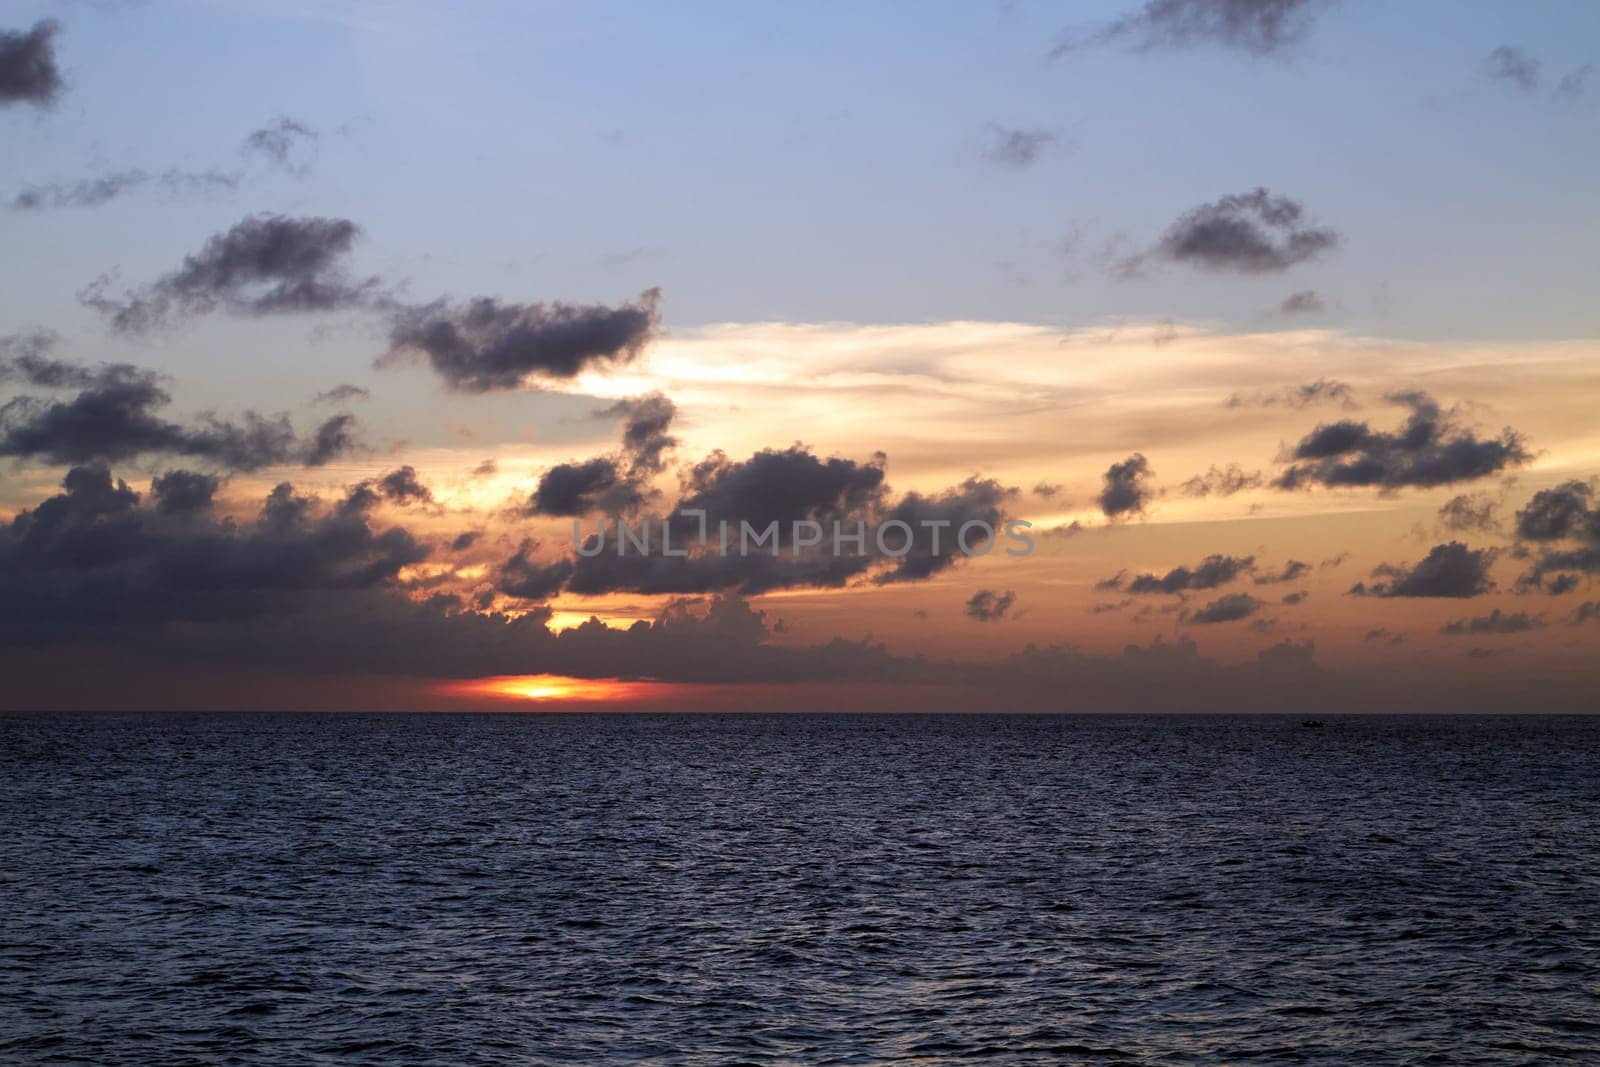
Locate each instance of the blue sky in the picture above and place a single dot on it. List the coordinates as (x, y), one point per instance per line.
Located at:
(767, 163)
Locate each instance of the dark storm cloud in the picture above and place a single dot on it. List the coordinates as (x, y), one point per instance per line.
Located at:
(1560, 514)
(772, 486)
(1249, 233)
(28, 72)
(1509, 64)
(617, 484)
(979, 500)
(92, 192)
(1469, 513)
(181, 492)
(1224, 481)
(1448, 570)
(485, 345)
(1496, 622)
(286, 143)
(769, 493)
(1553, 516)
(341, 394)
(525, 579)
(266, 264)
(1209, 573)
(1229, 608)
(575, 489)
(1016, 147)
(1429, 449)
(114, 417)
(312, 589)
(1304, 302)
(986, 605)
(95, 560)
(322, 590)
(783, 486)
(1126, 489)
(1256, 27)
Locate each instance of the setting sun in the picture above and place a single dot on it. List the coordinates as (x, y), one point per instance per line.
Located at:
(549, 688)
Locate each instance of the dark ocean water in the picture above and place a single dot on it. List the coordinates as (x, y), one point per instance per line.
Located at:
(583, 889)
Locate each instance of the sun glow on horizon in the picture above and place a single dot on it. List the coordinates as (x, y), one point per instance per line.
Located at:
(550, 688)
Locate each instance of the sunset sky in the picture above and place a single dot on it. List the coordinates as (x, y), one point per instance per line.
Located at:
(321, 325)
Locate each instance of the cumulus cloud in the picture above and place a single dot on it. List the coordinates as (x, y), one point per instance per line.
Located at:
(1230, 607)
(266, 264)
(1429, 449)
(1248, 233)
(114, 416)
(1018, 148)
(1496, 622)
(986, 605)
(616, 484)
(1560, 514)
(1126, 487)
(1566, 529)
(485, 345)
(286, 143)
(523, 578)
(575, 489)
(182, 492)
(762, 499)
(1291, 571)
(400, 486)
(645, 439)
(28, 71)
(1223, 481)
(1209, 573)
(1448, 570)
(1255, 27)
(96, 559)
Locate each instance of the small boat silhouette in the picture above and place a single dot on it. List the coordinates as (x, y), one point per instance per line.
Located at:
(1311, 724)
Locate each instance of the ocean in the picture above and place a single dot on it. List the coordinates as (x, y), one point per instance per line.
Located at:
(455, 889)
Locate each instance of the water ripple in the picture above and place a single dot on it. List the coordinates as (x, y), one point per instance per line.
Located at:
(837, 890)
